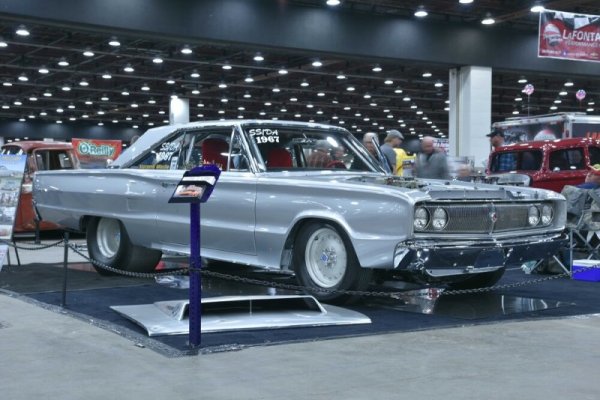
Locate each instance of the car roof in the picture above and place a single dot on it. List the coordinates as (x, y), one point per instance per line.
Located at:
(27, 145)
(548, 144)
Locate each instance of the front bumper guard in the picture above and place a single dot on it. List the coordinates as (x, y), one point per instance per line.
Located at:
(440, 258)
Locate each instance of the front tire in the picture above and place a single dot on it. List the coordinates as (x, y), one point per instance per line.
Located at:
(109, 244)
(325, 259)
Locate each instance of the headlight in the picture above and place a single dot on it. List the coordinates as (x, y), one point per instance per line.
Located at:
(440, 219)
(533, 216)
(547, 214)
(421, 218)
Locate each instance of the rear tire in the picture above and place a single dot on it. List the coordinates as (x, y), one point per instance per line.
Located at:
(109, 244)
(325, 259)
(481, 280)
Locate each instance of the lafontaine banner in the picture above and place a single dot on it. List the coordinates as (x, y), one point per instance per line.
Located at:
(569, 36)
(96, 153)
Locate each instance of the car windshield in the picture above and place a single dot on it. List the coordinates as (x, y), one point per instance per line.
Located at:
(300, 148)
(528, 160)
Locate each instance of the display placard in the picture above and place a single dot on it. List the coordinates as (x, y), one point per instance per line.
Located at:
(196, 185)
(95, 153)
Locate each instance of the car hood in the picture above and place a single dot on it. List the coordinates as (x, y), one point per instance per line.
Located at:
(418, 189)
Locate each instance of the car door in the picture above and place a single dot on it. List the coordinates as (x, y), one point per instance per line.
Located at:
(228, 218)
(565, 167)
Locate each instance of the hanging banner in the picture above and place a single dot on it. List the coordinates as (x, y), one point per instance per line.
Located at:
(94, 153)
(569, 36)
(12, 169)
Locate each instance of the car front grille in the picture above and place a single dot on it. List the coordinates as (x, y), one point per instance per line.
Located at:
(483, 217)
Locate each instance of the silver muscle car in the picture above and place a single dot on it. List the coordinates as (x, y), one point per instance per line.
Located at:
(304, 198)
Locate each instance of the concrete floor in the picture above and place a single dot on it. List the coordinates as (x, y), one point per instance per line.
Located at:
(51, 355)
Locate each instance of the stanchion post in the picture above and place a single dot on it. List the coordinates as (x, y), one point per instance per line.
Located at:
(65, 262)
(195, 308)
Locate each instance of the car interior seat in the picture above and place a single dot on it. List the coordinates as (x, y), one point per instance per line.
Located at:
(214, 151)
(279, 158)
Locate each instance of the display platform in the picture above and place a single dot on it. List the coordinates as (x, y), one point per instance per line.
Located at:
(90, 296)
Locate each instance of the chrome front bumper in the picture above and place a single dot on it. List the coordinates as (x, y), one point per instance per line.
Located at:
(439, 258)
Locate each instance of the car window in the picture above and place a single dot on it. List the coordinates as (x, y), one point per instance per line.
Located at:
(594, 155)
(12, 150)
(567, 160)
(525, 160)
(51, 159)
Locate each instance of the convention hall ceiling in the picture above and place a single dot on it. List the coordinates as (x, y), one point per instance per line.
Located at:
(59, 74)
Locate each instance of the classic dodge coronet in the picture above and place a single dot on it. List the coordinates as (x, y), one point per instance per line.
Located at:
(304, 198)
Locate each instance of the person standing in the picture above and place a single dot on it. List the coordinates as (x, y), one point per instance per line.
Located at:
(392, 141)
(506, 162)
(431, 163)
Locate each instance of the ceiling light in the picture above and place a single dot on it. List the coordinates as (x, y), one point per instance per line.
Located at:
(258, 57)
(341, 76)
(293, 99)
(488, 20)
(321, 94)
(304, 84)
(60, 110)
(170, 81)
(554, 108)
(373, 104)
(23, 78)
(21, 119)
(563, 93)
(83, 116)
(283, 71)
(195, 74)
(406, 98)
(398, 91)
(249, 79)
(522, 80)
(350, 88)
(413, 107)
(6, 83)
(128, 68)
(333, 3)
(589, 110)
(247, 95)
(89, 102)
(83, 82)
(426, 74)
(224, 100)
(569, 83)
(145, 87)
(43, 114)
(465, 1)
(591, 103)
(276, 90)
(377, 68)
(125, 93)
(222, 85)
(226, 67)
(419, 112)
(114, 42)
(47, 94)
(104, 98)
(557, 101)
(389, 82)
(317, 64)
(151, 101)
(63, 62)
(66, 88)
(3, 43)
(309, 106)
(186, 50)
(71, 106)
(438, 84)
(268, 103)
(106, 75)
(22, 31)
(518, 99)
(195, 91)
(537, 8)
(515, 112)
(421, 12)
(367, 96)
(134, 105)
(157, 60)
(88, 53)
(6, 106)
(17, 103)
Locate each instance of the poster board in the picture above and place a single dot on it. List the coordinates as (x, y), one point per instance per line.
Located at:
(95, 153)
(12, 170)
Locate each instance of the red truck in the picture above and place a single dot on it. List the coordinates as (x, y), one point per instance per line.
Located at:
(549, 164)
(41, 156)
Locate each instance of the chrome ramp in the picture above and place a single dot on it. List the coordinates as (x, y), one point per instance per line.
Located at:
(233, 313)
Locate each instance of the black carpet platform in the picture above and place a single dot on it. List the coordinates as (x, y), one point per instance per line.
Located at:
(90, 295)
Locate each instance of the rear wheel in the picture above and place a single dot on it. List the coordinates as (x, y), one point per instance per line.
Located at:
(481, 280)
(109, 244)
(325, 259)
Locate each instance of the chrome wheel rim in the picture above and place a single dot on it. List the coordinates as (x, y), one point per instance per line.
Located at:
(108, 237)
(326, 258)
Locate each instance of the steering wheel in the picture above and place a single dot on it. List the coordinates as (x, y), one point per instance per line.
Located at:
(336, 164)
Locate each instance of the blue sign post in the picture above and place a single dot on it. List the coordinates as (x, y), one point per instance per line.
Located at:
(194, 188)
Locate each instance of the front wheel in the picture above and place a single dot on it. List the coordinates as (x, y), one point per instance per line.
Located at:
(325, 259)
(109, 245)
